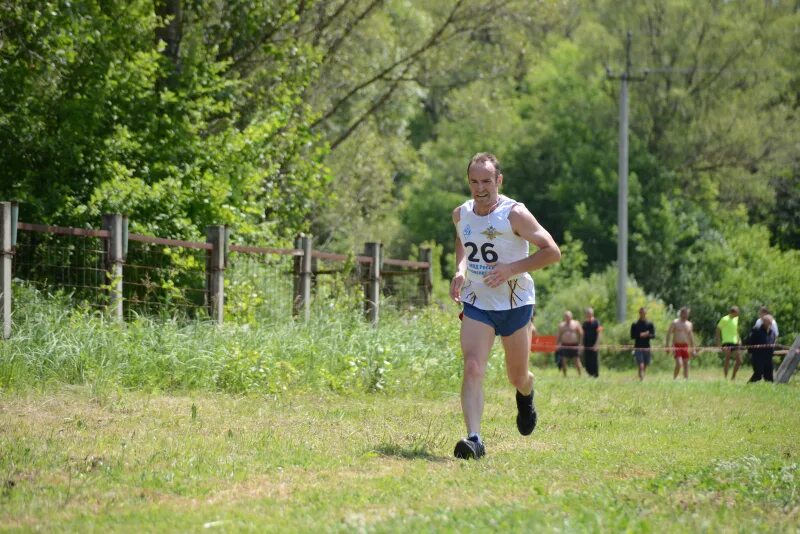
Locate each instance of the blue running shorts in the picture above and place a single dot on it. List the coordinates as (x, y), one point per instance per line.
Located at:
(504, 322)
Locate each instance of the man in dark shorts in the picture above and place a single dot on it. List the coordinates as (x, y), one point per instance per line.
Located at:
(570, 334)
(591, 343)
(493, 233)
(642, 331)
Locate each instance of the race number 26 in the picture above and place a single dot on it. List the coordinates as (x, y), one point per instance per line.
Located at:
(488, 255)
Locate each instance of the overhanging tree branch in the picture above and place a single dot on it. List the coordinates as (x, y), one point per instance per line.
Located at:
(351, 25)
(410, 58)
(372, 109)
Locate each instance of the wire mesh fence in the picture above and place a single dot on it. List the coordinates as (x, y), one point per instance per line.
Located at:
(73, 264)
(402, 287)
(173, 279)
(336, 284)
(164, 280)
(259, 286)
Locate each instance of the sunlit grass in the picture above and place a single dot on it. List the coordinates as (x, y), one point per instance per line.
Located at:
(336, 426)
(608, 454)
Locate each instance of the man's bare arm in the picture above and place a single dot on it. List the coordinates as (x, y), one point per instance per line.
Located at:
(528, 228)
(461, 262)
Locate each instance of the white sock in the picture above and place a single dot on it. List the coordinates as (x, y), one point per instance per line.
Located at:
(475, 434)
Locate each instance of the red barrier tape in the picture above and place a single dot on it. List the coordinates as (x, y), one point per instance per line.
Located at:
(782, 350)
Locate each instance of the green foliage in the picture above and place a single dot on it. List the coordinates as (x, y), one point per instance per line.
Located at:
(739, 266)
(106, 120)
(354, 119)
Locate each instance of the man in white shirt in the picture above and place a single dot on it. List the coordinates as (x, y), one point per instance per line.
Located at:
(492, 282)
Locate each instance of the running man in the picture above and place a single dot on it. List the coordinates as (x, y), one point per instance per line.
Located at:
(728, 332)
(642, 331)
(570, 335)
(493, 233)
(682, 335)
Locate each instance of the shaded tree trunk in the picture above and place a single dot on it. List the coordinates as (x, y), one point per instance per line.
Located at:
(170, 12)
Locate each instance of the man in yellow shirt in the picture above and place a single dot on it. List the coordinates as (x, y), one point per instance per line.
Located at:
(727, 332)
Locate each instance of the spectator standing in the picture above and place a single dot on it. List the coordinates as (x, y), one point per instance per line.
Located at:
(591, 343)
(762, 311)
(642, 331)
(570, 334)
(727, 333)
(682, 336)
(763, 337)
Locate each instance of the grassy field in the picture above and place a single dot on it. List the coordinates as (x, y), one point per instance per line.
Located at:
(609, 455)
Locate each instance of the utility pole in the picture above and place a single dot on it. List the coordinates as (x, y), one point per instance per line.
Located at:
(622, 195)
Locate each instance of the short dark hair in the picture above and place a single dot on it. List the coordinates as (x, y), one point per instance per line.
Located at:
(482, 157)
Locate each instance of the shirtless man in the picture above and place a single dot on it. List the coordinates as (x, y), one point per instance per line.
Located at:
(570, 335)
(682, 342)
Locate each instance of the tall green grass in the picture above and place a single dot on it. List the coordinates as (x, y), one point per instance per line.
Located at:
(56, 343)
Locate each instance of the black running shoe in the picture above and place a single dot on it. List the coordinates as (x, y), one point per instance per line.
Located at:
(469, 448)
(526, 413)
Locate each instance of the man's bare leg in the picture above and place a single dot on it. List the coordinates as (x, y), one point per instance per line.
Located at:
(578, 365)
(677, 368)
(477, 339)
(727, 353)
(737, 362)
(517, 347)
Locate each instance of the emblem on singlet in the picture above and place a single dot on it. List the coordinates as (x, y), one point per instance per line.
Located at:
(467, 231)
(491, 232)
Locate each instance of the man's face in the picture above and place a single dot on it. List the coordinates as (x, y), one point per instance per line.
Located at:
(767, 323)
(567, 317)
(483, 184)
(642, 314)
(684, 314)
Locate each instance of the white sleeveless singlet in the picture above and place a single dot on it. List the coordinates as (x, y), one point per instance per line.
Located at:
(489, 239)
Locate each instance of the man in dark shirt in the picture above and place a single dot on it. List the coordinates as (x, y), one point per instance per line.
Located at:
(763, 337)
(591, 342)
(642, 331)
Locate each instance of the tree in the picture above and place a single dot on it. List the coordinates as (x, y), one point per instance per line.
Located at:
(180, 115)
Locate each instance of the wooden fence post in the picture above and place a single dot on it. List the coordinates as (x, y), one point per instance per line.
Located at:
(372, 287)
(297, 267)
(305, 277)
(116, 247)
(789, 363)
(301, 302)
(426, 276)
(216, 236)
(7, 225)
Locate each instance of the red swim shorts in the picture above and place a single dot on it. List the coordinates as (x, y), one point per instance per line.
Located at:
(681, 350)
